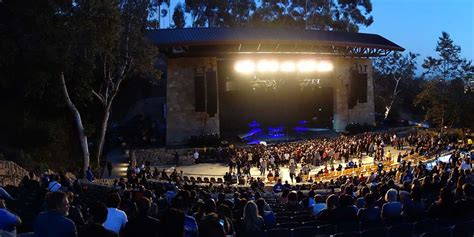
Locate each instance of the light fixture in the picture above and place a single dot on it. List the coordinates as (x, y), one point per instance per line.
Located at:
(287, 66)
(267, 66)
(245, 66)
(271, 66)
(307, 66)
(324, 66)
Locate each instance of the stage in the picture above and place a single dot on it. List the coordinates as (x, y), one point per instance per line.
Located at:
(272, 135)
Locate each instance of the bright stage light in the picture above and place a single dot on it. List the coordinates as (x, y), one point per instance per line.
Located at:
(245, 66)
(272, 66)
(307, 66)
(324, 66)
(287, 66)
(267, 66)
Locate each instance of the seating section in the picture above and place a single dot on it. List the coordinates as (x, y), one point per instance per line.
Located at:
(303, 224)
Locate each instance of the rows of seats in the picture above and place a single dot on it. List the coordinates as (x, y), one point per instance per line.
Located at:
(201, 180)
(309, 229)
(303, 224)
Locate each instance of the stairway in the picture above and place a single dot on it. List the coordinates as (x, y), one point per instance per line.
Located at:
(120, 164)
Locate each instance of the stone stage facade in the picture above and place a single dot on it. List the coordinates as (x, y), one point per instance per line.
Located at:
(196, 51)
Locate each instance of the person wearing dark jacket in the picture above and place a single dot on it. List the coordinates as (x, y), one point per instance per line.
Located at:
(53, 222)
(95, 228)
(143, 224)
(346, 211)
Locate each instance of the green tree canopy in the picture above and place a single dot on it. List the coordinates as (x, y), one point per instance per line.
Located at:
(338, 15)
(179, 19)
(443, 98)
(395, 83)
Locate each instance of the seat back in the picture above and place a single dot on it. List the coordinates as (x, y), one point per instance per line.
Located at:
(325, 229)
(288, 225)
(348, 234)
(347, 227)
(464, 229)
(376, 232)
(442, 232)
(278, 232)
(401, 230)
(304, 231)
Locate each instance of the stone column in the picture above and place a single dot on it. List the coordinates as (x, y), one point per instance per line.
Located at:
(182, 121)
(361, 112)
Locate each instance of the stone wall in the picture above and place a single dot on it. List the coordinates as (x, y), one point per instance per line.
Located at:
(182, 119)
(162, 156)
(11, 173)
(362, 112)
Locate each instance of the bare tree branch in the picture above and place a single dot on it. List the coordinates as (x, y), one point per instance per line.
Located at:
(99, 97)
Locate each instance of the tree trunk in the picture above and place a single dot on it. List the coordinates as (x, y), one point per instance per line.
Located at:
(394, 95)
(103, 130)
(79, 125)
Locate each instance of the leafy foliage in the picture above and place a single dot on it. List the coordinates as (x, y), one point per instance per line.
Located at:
(396, 85)
(443, 98)
(338, 15)
(83, 39)
(178, 16)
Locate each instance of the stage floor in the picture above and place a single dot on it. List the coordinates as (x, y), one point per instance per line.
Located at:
(217, 170)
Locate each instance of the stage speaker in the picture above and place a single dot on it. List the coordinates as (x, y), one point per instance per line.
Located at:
(357, 89)
(211, 92)
(352, 90)
(199, 93)
(362, 88)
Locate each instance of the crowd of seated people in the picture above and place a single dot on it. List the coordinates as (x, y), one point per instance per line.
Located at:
(411, 200)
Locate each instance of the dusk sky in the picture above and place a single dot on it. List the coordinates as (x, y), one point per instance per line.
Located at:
(416, 25)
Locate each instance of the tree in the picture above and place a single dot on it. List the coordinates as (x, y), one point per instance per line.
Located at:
(36, 35)
(241, 12)
(178, 16)
(339, 15)
(156, 12)
(443, 98)
(196, 8)
(392, 74)
(208, 13)
(73, 55)
(118, 49)
(449, 64)
(318, 14)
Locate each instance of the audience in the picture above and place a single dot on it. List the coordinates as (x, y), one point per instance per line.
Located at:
(94, 227)
(116, 219)
(370, 213)
(53, 222)
(8, 220)
(392, 209)
(252, 223)
(140, 226)
(268, 215)
(173, 223)
(140, 206)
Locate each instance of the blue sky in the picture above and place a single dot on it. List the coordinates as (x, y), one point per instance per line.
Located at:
(417, 24)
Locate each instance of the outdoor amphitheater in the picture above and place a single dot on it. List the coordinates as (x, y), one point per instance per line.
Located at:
(236, 118)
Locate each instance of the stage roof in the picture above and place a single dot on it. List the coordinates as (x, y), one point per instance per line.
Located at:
(219, 41)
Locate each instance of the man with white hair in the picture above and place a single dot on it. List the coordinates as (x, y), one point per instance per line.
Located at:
(392, 209)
